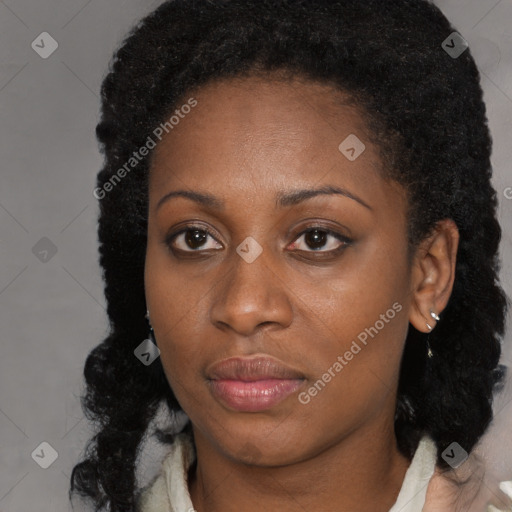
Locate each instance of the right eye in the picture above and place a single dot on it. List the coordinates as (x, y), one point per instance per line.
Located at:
(191, 239)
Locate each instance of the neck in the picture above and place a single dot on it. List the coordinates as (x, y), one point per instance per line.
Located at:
(363, 471)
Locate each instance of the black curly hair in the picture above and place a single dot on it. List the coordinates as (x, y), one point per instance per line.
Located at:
(425, 112)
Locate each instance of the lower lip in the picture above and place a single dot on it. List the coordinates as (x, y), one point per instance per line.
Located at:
(254, 396)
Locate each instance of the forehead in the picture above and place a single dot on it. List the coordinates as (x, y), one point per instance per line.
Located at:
(259, 133)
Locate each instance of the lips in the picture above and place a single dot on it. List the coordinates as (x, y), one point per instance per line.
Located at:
(253, 384)
(250, 369)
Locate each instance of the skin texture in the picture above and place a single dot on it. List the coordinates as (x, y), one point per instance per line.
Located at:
(246, 141)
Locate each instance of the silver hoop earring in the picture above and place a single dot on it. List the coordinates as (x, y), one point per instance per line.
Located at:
(434, 316)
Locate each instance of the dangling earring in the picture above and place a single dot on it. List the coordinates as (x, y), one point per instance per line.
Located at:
(151, 332)
(429, 350)
(430, 354)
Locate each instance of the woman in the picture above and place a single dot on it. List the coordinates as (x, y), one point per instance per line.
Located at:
(296, 201)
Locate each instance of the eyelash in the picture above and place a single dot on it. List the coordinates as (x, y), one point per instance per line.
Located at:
(169, 240)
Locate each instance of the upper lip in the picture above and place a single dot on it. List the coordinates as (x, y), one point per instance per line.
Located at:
(250, 369)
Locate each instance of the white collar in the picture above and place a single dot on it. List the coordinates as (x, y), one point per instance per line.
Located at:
(168, 491)
(414, 488)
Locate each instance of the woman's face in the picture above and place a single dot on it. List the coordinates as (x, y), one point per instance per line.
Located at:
(333, 307)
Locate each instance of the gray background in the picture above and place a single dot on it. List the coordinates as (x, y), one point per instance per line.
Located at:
(53, 313)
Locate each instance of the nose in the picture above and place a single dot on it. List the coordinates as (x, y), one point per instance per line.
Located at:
(251, 295)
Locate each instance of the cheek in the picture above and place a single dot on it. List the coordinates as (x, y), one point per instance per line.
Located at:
(177, 310)
(174, 295)
(360, 314)
(181, 353)
(369, 280)
(355, 361)
(366, 326)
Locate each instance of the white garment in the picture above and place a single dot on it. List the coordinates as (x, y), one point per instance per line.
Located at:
(414, 488)
(168, 491)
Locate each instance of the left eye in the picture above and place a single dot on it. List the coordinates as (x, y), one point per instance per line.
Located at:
(317, 238)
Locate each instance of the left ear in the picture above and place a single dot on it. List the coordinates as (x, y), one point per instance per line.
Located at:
(433, 274)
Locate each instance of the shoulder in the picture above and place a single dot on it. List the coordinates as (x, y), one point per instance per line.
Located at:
(442, 493)
(446, 493)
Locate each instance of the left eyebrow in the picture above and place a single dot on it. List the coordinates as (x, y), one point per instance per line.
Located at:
(297, 196)
(283, 199)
